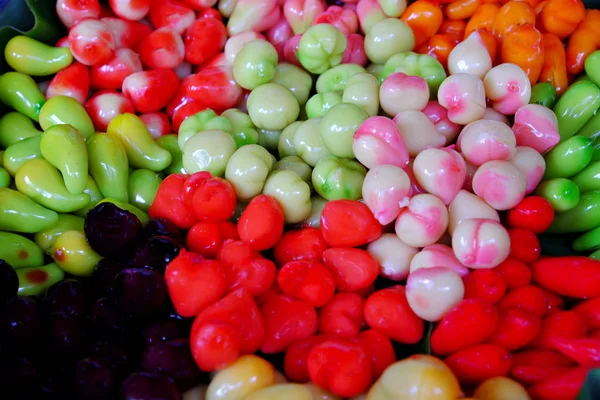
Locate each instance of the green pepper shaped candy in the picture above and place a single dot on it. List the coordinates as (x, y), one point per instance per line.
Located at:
(414, 64)
(363, 90)
(255, 64)
(64, 147)
(321, 47)
(64, 110)
(576, 107)
(18, 213)
(19, 251)
(208, 151)
(15, 127)
(34, 58)
(142, 151)
(589, 178)
(35, 281)
(543, 93)
(108, 166)
(243, 130)
(376, 70)
(4, 178)
(72, 253)
(39, 180)
(291, 192)
(337, 178)
(247, 171)
(92, 190)
(337, 128)
(203, 121)
(66, 222)
(335, 79)
(308, 142)
(20, 92)
(589, 241)
(269, 139)
(298, 81)
(142, 215)
(582, 77)
(568, 158)
(169, 143)
(285, 147)
(143, 185)
(585, 216)
(272, 106)
(320, 103)
(21, 153)
(295, 163)
(563, 194)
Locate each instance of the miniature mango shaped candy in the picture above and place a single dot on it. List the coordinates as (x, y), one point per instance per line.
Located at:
(422, 221)
(92, 190)
(20, 92)
(298, 81)
(272, 106)
(247, 171)
(508, 87)
(486, 140)
(441, 172)
(480, 243)
(337, 128)
(72, 253)
(64, 147)
(4, 178)
(470, 56)
(35, 281)
(336, 78)
(15, 127)
(143, 185)
(19, 251)
(378, 141)
(66, 222)
(569, 157)
(321, 47)
(362, 90)
(243, 130)
(18, 213)
(67, 111)
(576, 107)
(39, 180)
(169, 143)
(536, 126)
(384, 189)
(418, 132)
(28, 56)
(22, 152)
(292, 193)
(208, 150)
(589, 178)
(338, 178)
(203, 121)
(400, 92)
(463, 95)
(531, 164)
(319, 103)
(592, 128)
(563, 194)
(108, 165)
(413, 64)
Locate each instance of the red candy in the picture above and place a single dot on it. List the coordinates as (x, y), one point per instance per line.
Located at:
(128, 34)
(517, 328)
(204, 238)
(92, 42)
(163, 48)
(168, 203)
(171, 14)
(204, 39)
(477, 363)
(210, 198)
(110, 75)
(308, 281)
(72, 11)
(132, 10)
(343, 316)
(348, 223)
(530, 297)
(590, 312)
(561, 324)
(157, 123)
(212, 87)
(105, 105)
(534, 213)
(352, 269)
(73, 81)
(514, 273)
(150, 91)
(485, 284)
(524, 245)
(379, 347)
(296, 357)
(261, 223)
(574, 276)
(302, 244)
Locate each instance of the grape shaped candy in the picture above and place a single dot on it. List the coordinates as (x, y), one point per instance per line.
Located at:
(486, 140)
(378, 141)
(436, 255)
(508, 87)
(423, 221)
(417, 131)
(384, 189)
(466, 205)
(393, 255)
(501, 184)
(536, 126)
(480, 243)
(440, 172)
(432, 292)
(463, 95)
(470, 57)
(401, 92)
(531, 164)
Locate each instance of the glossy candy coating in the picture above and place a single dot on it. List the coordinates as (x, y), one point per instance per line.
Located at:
(480, 243)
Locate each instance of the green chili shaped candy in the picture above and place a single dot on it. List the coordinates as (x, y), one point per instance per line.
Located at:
(18, 213)
(72, 253)
(295, 163)
(63, 110)
(596, 145)
(285, 146)
(363, 90)
(247, 171)
(66, 222)
(583, 217)
(388, 37)
(169, 143)
(576, 107)
(568, 158)
(414, 64)
(335, 79)
(272, 106)
(543, 93)
(35, 281)
(592, 67)
(308, 143)
(589, 241)
(34, 58)
(92, 190)
(318, 104)
(243, 130)
(298, 81)
(21, 152)
(109, 166)
(255, 64)
(592, 128)
(202, 121)
(4, 178)
(19, 251)
(337, 128)
(589, 178)
(321, 47)
(595, 255)
(15, 127)
(123, 205)
(291, 192)
(269, 139)
(562, 193)
(337, 178)
(20, 92)
(143, 185)
(208, 151)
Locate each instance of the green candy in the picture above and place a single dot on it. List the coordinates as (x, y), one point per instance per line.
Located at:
(19, 251)
(376, 70)
(581, 218)
(21, 93)
(589, 241)
(28, 56)
(208, 151)
(142, 151)
(35, 281)
(285, 147)
(414, 64)
(18, 213)
(63, 110)
(320, 103)
(22, 152)
(4, 178)
(592, 67)
(64, 147)
(272, 106)
(43, 183)
(203, 121)
(294, 163)
(15, 127)
(576, 107)
(337, 178)
(298, 81)
(388, 37)
(562, 193)
(363, 90)
(268, 139)
(317, 205)
(142, 215)
(596, 145)
(568, 158)
(337, 128)
(72, 253)
(243, 130)
(321, 47)
(291, 192)
(595, 255)
(308, 143)
(543, 93)
(108, 166)
(143, 185)
(592, 128)
(247, 171)
(92, 190)
(589, 178)
(335, 79)
(170, 143)
(255, 64)
(66, 222)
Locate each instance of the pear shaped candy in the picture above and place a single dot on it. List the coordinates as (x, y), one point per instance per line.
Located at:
(73, 254)
(142, 151)
(66, 222)
(20, 92)
(18, 213)
(42, 182)
(143, 185)
(19, 251)
(22, 152)
(169, 143)
(34, 58)
(34, 281)
(109, 166)
(63, 146)
(4, 177)
(15, 127)
(66, 110)
(92, 190)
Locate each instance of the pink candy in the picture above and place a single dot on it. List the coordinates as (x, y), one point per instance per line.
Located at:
(437, 255)
(384, 189)
(531, 164)
(470, 56)
(393, 255)
(463, 95)
(132, 10)
(92, 42)
(104, 106)
(300, 14)
(400, 92)
(480, 243)
(500, 184)
(536, 126)
(441, 172)
(377, 141)
(355, 50)
(345, 20)
(508, 88)
(423, 221)
(253, 15)
(439, 116)
(418, 132)
(432, 292)
(486, 140)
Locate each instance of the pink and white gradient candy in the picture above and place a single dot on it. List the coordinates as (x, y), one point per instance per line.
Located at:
(531, 164)
(494, 115)
(418, 132)
(463, 95)
(536, 126)
(369, 13)
(423, 221)
(300, 14)
(343, 19)
(468, 183)
(470, 57)
(279, 34)
(439, 116)
(480, 243)
(253, 15)
(92, 42)
(132, 10)
(393, 255)
(501, 184)
(415, 188)
(432, 292)
(508, 87)
(377, 141)
(437, 255)
(235, 43)
(400, 92)
(486, 140)
(441, 172)
(466, 206)
(355, 50)
(385, 187)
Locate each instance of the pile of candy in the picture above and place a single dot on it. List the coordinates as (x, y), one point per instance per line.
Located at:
(292, 196)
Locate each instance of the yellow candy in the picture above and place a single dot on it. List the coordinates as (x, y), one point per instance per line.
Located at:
(319, 393)
(247, 375)
(287, 391)
(501, 388)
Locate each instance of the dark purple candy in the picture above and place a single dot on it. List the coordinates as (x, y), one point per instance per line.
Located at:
(111, 231)
(172, 359)
(146, 386)
(109, 319)
(20, 318)
(160, 227)
(103, 277)
(93, 379)
(141, 290)
(117, 357)
(156, 253)
(163, 331)
(66, 297)
(9, 282)
(65, 334)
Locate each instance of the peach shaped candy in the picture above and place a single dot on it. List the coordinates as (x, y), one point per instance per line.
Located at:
(378, 141)
(423, 221)
(441, 172)
(531, 164)
(393, 255)
(384, 189)
(463, 95)
(417, 131)
(508, 87)
(470, 57)
(501, 184)
(432, 292)
(401, 92)
(466, 206)
(480, 243)
(494, 115)
(486, 140)
(439, 116)
(436, 255)
(536, 126)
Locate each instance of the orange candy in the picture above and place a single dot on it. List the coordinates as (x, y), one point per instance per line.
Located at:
(461, 9)
(554, 69)
(482, 19)
(512, 15)
(424, 18)
(554, 18)
(523, 47)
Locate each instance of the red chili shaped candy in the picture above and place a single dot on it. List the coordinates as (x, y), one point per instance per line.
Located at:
(555, 302)
(352, 269)
(590, 312)
(477, 363)
(561, 324)
(308, 281)
(563, 387)
(379, 347)
(541, 357)
(517, 328)
(296, 357)
(261, 223)
(574, 276)
(532, 374)
(168, 203)
(204, 39)
(73, 81)
(584, 351)
(303, 244)
(524, 245)
(485, 284)
(514, 273)
(150, 91)
(111, 74)
(343, 316)
(530, 297)
(348, 223)
(210, 198)
(534, 213)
